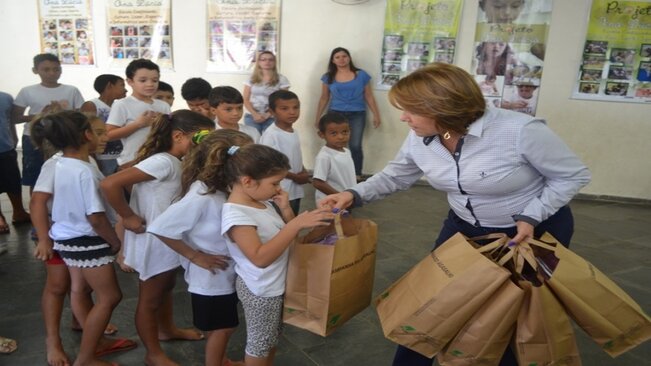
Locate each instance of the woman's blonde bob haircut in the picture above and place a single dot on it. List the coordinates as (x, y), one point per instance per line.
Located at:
(443, 92)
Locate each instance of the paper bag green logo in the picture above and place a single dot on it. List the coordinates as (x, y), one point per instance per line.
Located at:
(456, 353)
(408, 328)
(333, 321)
(608, 344)
(290, 310)
(533, 364)
(385, 295)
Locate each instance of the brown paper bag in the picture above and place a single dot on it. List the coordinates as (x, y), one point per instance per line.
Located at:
(611, 317)
(329, 284)
(484, 338)
(427, 306)
(544, 334)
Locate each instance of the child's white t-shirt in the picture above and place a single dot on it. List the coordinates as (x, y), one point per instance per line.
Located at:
(196, 220)
(335, 168)
(144, 252)
(124, 112)
(249, 130)
(265, 282)
(45, 181)
(76, 184)
(36, 97)
(289, 144)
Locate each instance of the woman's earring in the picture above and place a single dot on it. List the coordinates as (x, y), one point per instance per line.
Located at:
(446, 135)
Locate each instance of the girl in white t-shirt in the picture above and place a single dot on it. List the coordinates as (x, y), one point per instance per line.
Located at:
(82, 232)
(156, 181)
(258, 238)
(192, 227)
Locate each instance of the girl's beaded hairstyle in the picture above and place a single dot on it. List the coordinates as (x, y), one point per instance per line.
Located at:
(160, 136)
(61, 130)
(227, 163)
(445, 93)
(205, 160)
(257, 76)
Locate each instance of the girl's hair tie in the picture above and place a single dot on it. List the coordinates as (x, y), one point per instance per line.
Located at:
(199, 136)
(232, 150)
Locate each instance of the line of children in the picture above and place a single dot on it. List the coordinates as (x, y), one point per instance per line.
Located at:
(209, 270)
(155, 178)
(255, 233)
(82, 231)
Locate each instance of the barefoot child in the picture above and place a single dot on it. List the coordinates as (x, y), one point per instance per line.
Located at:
(259, 238)
(156, 181)
(82, 233)
(57, 283)
(209, 271)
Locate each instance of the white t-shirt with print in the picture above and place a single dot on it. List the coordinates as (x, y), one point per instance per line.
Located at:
(124, 112)
(196, 220)
(268, 281)
(260, 92)
(144, 252)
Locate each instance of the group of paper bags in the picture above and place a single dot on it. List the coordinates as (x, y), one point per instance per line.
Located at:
(465, 304)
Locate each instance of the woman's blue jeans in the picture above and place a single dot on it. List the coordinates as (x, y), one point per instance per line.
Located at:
(249, 121)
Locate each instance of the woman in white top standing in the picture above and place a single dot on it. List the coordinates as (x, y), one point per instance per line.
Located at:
(264, 81)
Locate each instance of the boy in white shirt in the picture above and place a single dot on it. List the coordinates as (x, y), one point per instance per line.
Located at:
(334, 170)
(286, 108)
(47, 96)
(227, 105)
(131, 118)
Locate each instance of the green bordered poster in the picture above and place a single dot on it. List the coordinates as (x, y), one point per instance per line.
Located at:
(509, 51)
(66, 29)
(139, 29)
(238, 30)
(616, 56)
(417, 32)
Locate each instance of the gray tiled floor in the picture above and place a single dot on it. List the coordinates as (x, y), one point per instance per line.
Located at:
(615, 237)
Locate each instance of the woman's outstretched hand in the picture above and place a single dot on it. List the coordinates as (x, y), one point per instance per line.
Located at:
(339, 200)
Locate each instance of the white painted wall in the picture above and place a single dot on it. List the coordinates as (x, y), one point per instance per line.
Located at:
(611, 138)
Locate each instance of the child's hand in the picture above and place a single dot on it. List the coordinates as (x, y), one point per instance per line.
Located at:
(281, 199)
(318, 217)
(134, 223)
(43, 250)
(210, 262)
(302, 177)
(147, 118)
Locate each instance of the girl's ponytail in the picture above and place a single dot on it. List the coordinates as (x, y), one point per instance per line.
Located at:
(160, 136)
(61, 129)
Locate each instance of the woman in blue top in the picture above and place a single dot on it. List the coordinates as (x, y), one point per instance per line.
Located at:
(348, 90)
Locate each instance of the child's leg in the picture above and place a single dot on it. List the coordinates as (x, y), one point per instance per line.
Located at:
(167, 330)
(104, 283)
(263, 325)
(153, 293)
(216, 315)
(56, 287)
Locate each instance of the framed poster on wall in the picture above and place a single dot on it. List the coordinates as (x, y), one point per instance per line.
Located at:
(416, 33)
(66, 30)
(616, 56)
(238, 30)
(139, 29)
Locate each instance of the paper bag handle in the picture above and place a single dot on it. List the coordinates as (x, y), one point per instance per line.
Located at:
(338, 228)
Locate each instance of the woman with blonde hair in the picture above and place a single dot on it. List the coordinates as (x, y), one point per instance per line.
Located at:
(503, 171)
(264, 80)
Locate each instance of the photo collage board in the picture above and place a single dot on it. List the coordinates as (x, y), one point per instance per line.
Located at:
(509, 52)
(616, 58)
(416, 33)
(238, 30)
(66, 30)
(138, 29)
